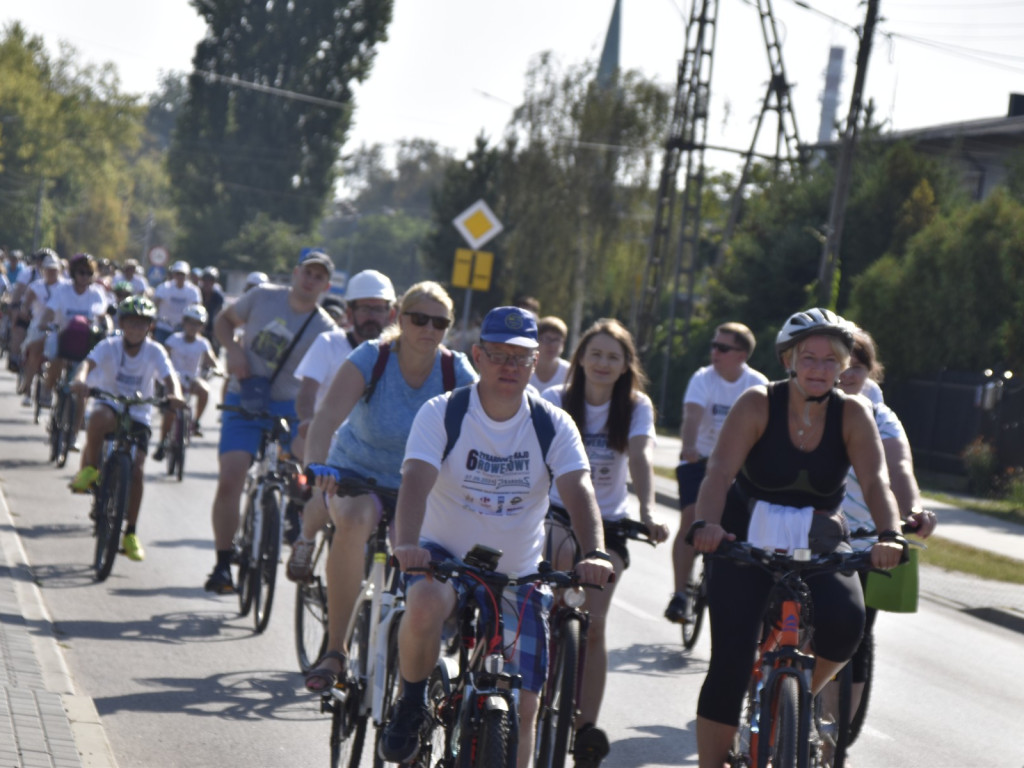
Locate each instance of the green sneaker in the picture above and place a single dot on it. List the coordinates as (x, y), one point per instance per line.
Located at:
(132, 547)
(85, 480)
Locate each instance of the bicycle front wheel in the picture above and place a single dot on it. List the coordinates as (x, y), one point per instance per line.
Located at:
(265, 572)
(111, 505)
(311, 611)
(348, 733)
(779, 723)
(558, 708)
(67, 428)
(696, 603)
(348, 722)
(494, 740)
(246, 563)
(392, 684)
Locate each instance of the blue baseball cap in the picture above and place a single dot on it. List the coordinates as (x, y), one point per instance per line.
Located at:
(510, 325)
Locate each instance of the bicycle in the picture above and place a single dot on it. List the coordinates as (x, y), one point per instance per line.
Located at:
(180, 439)
(311, 606)
(63, 417)
(369, 685)
(781, 718)
(569, 623)
(473, 701)
(268, 485)
(113, 489)
(696, 603)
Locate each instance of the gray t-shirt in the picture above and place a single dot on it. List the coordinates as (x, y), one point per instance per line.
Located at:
(269, 325)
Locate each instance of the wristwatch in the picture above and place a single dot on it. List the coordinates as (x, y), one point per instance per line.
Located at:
(597, 554)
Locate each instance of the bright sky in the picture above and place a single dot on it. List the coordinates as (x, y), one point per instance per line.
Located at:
(452, 68)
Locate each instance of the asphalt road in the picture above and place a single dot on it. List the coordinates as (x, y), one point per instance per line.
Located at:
(179, 678)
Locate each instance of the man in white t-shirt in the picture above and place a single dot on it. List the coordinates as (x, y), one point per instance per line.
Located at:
(172, 297)
(369, 307)
(492, 490)
(710, 394)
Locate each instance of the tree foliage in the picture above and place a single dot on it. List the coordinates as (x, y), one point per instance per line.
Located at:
(266, 148)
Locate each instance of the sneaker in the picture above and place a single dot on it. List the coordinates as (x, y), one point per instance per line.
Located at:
(220, 582)
(400, 739)
(591, 747)
(161, 451)
(84, 480)
(132, 548)
(196, 431)
(300, 562)
(676, 611)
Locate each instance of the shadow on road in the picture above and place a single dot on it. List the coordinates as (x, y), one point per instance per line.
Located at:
(169, 628)
(654, 744)
(653, 659)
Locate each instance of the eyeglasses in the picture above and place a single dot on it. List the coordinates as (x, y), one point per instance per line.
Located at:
(524, 360)
(372, 309)
(720, 347)
(420, 319)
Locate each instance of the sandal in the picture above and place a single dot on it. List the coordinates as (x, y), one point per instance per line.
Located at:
(320, 678)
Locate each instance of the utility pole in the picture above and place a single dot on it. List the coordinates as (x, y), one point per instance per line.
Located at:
(837, 212)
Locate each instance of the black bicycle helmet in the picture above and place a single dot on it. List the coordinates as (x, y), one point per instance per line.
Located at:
(138, 306)
(811, 322)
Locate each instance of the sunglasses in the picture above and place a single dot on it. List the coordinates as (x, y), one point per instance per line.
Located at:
(719, 347)
(420, 319)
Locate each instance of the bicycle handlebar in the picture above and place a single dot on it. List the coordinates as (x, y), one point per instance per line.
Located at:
(442, 570)
(126, 400)
(635, 530)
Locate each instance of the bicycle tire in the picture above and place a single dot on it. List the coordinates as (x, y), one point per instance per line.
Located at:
(185, 420)
(311, 611)
(493, 740)
(857, 718)
(66, 428)
(558, 710)
(742, 743)
(264, 575)
(37, 408)
(392, 686)
(111, 506)
(351, 710)
(842, 722)
(779, 723)
(696, 604)
(244, 549)
(348, 734)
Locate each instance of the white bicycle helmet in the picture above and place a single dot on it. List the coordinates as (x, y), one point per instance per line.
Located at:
(195, 312)
(256, 278)
(817, 321)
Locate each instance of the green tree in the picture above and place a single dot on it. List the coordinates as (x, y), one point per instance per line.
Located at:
(271, 147)
(264, 244)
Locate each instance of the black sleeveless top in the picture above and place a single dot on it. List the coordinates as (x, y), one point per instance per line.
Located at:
(778, 472)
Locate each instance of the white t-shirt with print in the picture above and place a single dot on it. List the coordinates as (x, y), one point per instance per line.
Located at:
(174, 300)
(322, 361)
(609, 469)
(123, 374)
(41, 293)
(66, 303)
(716, 396)
(187, 356)
(493, 487)
(555, 381)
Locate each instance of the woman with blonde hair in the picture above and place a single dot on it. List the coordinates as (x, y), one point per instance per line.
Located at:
(360, 429)
(604, 394)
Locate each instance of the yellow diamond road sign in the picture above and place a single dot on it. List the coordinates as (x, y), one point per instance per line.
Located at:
(477, 224)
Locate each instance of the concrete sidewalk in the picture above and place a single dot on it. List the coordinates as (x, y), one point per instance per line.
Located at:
(44, 722)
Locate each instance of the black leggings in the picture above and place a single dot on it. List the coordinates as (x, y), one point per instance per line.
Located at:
(737, 598)
(857, 663)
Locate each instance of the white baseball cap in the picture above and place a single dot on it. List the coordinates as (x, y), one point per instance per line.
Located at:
(179, 266)
(51, 262)
(255, 278)
(369, 284)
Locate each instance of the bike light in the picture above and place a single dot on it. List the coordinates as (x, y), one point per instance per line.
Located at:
(494, 663)
(575, 597)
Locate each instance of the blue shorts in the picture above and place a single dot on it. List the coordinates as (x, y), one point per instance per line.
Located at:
(690, 476)
(524, 611)
(238, 433)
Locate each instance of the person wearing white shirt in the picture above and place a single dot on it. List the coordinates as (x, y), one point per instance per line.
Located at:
(34, 305)
(551, 367)
(172, 297)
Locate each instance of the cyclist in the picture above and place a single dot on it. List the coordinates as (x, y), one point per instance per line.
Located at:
(124, 365)
(374, 419)
(254, 279)
(491, 489)
(551, 368)
(776, 478)
(605, 397)
(171, 297)
(130, 274)
(33, 306)
(27, 274)
(370, 299)
(213, 302)
(278, 325)
(189, 353)
(710, 394)
(79, 298)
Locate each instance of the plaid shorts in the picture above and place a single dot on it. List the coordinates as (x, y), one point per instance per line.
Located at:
(524, 611)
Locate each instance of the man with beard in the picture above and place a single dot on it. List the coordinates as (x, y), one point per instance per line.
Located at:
(370, 307)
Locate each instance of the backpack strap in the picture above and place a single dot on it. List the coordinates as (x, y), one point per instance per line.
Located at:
(383, 353)
(447, 369)
(454, 413)
(352, 340)
(543, 425)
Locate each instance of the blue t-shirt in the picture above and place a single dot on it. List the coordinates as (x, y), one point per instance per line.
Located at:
(371, 442)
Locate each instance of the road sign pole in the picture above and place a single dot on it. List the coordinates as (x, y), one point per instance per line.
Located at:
(466, 342)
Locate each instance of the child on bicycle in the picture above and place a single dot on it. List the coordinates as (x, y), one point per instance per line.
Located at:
(190, 352)
(127, 364)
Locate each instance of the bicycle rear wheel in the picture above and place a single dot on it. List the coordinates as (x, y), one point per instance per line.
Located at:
(311, 610)
(111, 505)
(696, 603)
(264, 575)
(244, 547)
(841, 737)
(558, 707)
(779, 723)
(66, 430)
(348, 723)
(857, 717)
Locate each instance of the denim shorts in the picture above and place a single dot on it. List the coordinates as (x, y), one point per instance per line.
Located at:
(238, 433)
(524, 611)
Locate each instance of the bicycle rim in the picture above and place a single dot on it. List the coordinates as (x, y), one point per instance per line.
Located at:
(67, 428)
(112, 513)
(559, 709)
(244, 548)
(264, 575)
(696, 602)
(311, 613)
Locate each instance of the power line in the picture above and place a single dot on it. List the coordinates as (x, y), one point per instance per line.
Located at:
(282, 92)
